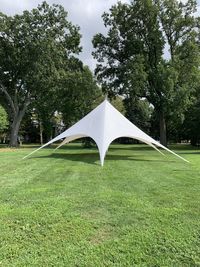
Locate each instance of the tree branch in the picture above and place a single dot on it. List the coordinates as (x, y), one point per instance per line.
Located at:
(3, 89)
(26, 103)
(15, 100)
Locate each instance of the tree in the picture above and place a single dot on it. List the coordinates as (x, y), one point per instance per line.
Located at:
(181, 35)
(131, 57)
(34, 49)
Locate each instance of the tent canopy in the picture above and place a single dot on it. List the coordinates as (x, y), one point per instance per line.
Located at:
(105, 124)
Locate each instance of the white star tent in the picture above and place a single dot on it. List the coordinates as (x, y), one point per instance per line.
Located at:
(105, 124)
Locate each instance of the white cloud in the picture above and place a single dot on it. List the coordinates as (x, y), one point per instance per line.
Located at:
(17, 6)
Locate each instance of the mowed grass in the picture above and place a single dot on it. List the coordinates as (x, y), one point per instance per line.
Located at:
(64, 209)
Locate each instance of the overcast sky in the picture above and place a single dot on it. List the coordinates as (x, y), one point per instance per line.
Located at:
(85, 13)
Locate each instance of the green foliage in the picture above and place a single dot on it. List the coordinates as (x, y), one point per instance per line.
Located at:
(72, 98)
(3, 119)
(64, 209)
(37, 42)
(118, 103)
(29, 132)
(139, 112)
(77, 95)
(121, 67)
(191, 126)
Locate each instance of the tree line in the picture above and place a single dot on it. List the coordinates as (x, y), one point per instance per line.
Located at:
(149, 61)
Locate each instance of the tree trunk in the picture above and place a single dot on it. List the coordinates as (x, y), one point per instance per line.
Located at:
(163, 133)
(15, 129)
(41, 133)
(15, 113)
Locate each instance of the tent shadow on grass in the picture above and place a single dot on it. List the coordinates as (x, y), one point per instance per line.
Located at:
(132, 147)
(93, 158)
(190, 152)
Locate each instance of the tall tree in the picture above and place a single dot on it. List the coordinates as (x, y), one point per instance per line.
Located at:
(181, 35)
(34, 47)
(131, 56)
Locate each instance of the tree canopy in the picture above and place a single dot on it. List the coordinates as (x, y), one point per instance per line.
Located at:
(36, 49)
(131, 57)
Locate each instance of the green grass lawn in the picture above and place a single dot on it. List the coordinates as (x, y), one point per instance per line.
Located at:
(64, 209)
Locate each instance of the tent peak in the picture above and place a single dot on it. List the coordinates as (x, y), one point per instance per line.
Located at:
(105, 103)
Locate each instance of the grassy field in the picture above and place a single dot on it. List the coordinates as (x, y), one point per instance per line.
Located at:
(64, 209)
